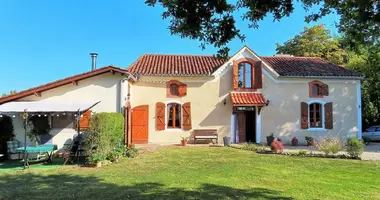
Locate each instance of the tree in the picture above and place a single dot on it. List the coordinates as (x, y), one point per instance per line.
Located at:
(213, 22)
(366, 60)
(11, 92)
(314, 42)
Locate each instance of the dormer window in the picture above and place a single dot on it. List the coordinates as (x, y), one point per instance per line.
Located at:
(245, 75)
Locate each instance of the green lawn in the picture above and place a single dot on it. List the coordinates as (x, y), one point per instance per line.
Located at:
(200, 173)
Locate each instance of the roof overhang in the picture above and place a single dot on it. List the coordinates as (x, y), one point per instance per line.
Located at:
(46, 106)
(248, 99)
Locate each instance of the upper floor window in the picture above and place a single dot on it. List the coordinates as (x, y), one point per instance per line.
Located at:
(317, 89)
(175, 89)
(245, 75)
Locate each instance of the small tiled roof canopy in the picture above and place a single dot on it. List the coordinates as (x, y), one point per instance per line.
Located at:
(290, 66)
(243, 98)
(175, 65)
(191, 65)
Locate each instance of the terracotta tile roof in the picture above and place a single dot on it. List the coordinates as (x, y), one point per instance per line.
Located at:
(175, 65)
(58, 83)
(242, 98)
(307, 67)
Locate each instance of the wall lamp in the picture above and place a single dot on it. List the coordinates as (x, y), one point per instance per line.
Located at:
(267, 103)
(225, 101)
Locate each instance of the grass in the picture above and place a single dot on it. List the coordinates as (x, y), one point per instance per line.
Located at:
(200, 173)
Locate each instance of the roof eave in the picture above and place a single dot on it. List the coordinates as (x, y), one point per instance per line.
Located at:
(327, 77)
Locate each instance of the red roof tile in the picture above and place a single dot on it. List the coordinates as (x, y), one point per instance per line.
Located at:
(58, 83)
(175, 65)
(307, 67)
(242, 98)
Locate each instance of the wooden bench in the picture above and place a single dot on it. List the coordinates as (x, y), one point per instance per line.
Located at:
(208, 134)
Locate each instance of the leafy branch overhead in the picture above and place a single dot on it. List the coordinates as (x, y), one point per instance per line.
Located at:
(213, 22)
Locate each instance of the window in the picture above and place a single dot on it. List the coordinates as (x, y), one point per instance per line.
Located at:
(317, 89)
(315, 115)
(174, 115)
(62, 121)
(245, 75)
(174, 89)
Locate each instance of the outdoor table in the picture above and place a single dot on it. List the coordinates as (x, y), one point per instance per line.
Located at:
(46, 148)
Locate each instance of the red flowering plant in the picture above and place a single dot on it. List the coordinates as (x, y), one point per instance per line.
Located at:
(294, 141)
(277, 146)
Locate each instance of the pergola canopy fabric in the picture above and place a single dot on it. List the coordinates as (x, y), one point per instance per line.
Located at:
(46, 106)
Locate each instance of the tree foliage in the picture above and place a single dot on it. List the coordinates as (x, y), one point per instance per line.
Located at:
(315, 42)
(213, 22)
(11, 92)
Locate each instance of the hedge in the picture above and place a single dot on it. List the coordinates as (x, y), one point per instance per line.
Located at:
(105, 132)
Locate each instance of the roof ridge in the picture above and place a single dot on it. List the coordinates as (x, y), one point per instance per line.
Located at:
(193, 55)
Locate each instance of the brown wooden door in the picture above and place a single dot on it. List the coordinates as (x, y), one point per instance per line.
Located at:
(241, 127)
(140, 124)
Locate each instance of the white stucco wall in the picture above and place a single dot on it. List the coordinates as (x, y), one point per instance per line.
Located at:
(102, 88)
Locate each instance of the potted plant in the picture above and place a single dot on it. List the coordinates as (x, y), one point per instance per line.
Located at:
(270, 139)
(183, 141)
(294, 141)
(309, 140)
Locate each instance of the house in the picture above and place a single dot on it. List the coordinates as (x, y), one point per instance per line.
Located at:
(247, 97)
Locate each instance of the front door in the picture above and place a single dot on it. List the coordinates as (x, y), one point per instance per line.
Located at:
(246, 126)
(140, 124)
(241, 127)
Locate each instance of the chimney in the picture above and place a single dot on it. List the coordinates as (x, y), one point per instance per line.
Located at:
(93, 58)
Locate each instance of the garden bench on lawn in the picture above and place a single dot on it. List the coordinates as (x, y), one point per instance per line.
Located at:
(205, 134)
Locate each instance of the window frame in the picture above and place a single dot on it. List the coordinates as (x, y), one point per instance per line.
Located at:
(319, 84)
(244, 74)
(322, 113)
(168, 128)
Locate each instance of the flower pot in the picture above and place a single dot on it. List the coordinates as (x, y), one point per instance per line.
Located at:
(226, 141)
(294, 143)
(183, 142)
(310, 143)
(270, 140)
(99, 164)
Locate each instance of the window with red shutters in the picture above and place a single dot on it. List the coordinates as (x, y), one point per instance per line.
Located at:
(318, 89)
(175, 89)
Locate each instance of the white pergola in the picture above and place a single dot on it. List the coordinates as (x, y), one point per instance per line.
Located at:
(44, 107)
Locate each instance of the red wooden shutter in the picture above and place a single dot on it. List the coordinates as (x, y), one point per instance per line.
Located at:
(329, 123)
(258, 82)
(310, 89)
(186, 116)
(182, 90)
(325, 89)
(235, 75)
(84, 120)
(304, 115)
(160, 116)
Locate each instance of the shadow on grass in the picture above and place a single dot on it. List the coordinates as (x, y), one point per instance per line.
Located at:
(33, 186)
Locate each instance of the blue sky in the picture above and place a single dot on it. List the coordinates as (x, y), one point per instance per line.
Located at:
(42, 41)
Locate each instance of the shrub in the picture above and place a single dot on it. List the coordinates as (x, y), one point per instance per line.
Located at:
(355, 147)
(277, 146)
(329, 146)
(309, 140)
(302, 152)
(131, 152)
(250, 147)
(105, 132)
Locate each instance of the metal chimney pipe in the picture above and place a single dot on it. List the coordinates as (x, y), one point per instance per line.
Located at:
(93, 58)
